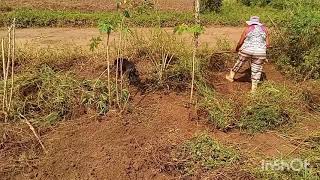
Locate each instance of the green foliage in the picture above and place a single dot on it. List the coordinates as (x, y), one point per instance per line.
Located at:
(256, 2)
(196, 29)
(261, 117)
(107, 26)
(95, 96)
(169, 56)
(231, 13)
(202, 153)
(221, 111)
(94, 43)
(298, 49)
(270, 107)
(210, 6)
(311, 96)
(44, 94)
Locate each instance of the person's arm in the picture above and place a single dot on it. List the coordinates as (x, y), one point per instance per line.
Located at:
(243, 37)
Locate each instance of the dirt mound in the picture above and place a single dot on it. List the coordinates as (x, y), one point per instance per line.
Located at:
(124, 147)
(117, 147)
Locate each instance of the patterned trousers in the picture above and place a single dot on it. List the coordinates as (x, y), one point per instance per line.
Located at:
(256, 66)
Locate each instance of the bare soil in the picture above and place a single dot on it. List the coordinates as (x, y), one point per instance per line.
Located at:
(46, 37)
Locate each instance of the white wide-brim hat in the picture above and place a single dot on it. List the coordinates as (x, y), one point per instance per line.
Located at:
(254, 20)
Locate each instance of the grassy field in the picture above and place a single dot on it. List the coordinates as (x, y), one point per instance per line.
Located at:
(93, 5)
(232, 14)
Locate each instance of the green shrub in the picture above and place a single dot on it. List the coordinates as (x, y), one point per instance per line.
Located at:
(298, 49)
(95, 95)
(210, 6)
(259, 117)
(168, 56)
(311, 96)
(49, 96)
(270, 107)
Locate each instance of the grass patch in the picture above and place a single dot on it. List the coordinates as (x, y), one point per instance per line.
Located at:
(44, 95)
(220, 110)
(167, 55)
(271, 106)
(50, 96)
(199, 155)
(311, 96)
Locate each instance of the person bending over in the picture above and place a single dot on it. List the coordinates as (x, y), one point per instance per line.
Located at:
(252, 46)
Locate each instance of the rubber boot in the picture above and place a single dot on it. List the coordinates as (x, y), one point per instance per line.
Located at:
(254, 87)
(230, 77)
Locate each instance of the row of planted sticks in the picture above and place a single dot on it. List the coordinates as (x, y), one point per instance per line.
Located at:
(8, 61)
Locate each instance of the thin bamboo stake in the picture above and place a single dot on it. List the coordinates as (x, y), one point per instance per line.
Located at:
(108, 64)
(34, 132)
(117, 68)
(7, 68)
(4, 74)
(196, 43)
(12, 63)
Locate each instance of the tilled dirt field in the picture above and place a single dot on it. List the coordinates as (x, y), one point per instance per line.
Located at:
(127, 146)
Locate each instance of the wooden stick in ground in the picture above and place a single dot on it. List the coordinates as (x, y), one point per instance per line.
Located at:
(108, 63)
(118, 63)
(12, 64)
(4, 74)
(34, 132)
(196, 43)
(7, 68)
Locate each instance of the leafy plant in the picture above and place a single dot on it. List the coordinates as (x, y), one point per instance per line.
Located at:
(96, 95)
(298, 48)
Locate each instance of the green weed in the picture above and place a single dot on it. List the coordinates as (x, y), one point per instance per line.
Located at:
(201, 154)
(221, 111)
(44, 93)
(270, 107)
(296, 49)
